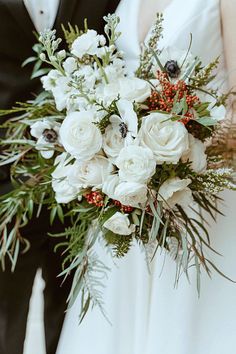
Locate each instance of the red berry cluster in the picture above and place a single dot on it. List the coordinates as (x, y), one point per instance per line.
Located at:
(124, 208)
(163, 100)
(95, 198)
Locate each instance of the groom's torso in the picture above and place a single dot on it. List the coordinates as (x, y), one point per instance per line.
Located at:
(17, 39)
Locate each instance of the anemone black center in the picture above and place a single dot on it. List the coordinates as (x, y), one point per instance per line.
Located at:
(172, 68)
(50, 136)
(123, 129)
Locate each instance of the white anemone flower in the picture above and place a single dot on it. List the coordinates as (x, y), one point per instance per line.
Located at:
(178, 63)
(127, 122)
(47, 134)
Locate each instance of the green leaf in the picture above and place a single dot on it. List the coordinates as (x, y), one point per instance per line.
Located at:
(60, 213)
(108, 214)
(207, 121)
(198, 275)
(30, 206)
(28, 61)
(40, 72)
(53, 214)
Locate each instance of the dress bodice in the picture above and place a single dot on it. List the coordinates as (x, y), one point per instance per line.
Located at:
(202, 18)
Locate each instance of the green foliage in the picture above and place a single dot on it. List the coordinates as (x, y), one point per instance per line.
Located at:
(72, 33)
(165, 171)
(204, 74)
(120, 244)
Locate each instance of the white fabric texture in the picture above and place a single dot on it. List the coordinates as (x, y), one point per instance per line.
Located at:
(42, 12)
(148, 316)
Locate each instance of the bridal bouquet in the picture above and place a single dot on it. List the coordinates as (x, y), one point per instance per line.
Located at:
(124, 155)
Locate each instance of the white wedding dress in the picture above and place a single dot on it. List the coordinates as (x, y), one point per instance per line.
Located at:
(148, 316)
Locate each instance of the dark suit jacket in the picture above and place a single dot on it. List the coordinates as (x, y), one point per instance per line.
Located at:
(17, 39)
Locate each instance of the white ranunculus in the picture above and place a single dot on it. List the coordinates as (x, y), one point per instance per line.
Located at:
(80, 136)
(175, 191)
(167, 139)
(136, 164)
(49, 81)
(131, 89)
(131, 193)
(64, 191)
(90, 173)
(119, 224)
(87, 43)
(70, 65)
(196, 154)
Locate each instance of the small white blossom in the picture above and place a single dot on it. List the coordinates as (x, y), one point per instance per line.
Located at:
(88, 43)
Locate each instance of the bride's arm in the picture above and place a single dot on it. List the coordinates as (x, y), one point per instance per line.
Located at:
(228, 14)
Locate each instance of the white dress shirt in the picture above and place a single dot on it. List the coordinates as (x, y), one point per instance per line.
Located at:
(42, 12)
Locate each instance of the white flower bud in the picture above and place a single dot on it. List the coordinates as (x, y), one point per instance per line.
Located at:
(42, 57)
(61, 54)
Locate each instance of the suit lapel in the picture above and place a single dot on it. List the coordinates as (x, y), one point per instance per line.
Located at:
(20, 13)
(65, 13)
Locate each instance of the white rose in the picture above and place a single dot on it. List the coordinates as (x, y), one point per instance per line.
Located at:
(131, 193)
(134, 89)
(136, 164)
(196, 154)
(87, 43)
(64, 191)
(90, 173)
(119, 224)
(168, 140)
(80, 136)
(175, 191)
(131, 89)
